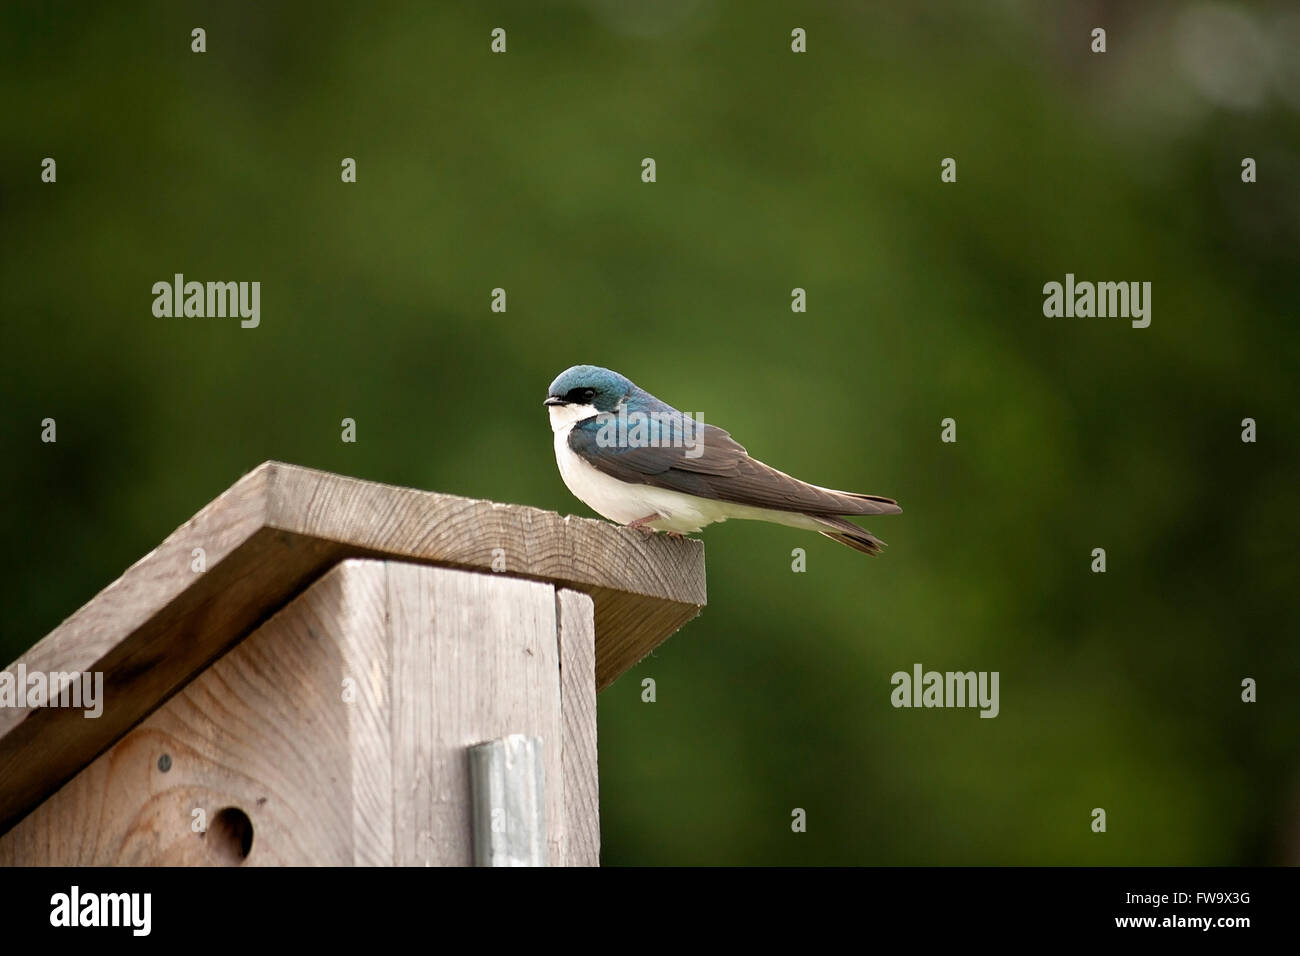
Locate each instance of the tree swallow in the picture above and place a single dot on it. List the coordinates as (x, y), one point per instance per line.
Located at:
(641, 462)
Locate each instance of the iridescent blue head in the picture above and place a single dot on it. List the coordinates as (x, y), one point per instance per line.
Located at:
(586, 387)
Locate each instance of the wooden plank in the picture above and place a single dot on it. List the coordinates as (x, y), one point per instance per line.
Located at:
(658, 576)
(577, 639)
(264, 730)
(266, 539)
(352, 610)
(474, 658)
(340, 728)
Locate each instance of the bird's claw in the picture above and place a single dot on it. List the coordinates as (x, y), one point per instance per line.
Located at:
(641, 524)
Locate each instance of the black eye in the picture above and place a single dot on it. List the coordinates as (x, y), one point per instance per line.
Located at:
(581, 396)
(588, 394)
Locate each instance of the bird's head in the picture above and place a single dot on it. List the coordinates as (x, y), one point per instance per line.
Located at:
(580, 392)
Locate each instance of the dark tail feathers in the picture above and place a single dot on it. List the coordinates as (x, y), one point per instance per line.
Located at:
(849, 534)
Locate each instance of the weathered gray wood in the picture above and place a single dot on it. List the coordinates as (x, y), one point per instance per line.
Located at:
(264, 729)
(474, 658)
(339, 727)
(644, 588)
(266, 539)
(508, 793)
(578, 711)
(351, 608)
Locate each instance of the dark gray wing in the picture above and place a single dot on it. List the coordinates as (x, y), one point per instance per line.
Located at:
(717, 467)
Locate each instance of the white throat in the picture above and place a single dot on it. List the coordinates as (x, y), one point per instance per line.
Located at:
(564, 417)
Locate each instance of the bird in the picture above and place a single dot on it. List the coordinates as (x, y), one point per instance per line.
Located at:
(640, 462)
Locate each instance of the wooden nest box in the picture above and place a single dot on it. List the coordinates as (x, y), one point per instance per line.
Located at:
(304, 672)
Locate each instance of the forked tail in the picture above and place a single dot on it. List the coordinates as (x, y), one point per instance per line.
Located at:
(849, 534)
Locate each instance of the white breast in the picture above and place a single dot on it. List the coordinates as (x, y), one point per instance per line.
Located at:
(622, 501)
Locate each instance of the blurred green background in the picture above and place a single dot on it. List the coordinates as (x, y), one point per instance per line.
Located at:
(775, 170)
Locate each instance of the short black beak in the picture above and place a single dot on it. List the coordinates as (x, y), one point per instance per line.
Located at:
(553, 400)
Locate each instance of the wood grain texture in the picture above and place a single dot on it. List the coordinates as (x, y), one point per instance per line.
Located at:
(270, 536)
(577, 638)
(486, 646)
(264, 729)
(352, 608)
(340, 727)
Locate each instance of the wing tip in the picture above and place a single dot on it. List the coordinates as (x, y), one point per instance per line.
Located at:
(865, 504)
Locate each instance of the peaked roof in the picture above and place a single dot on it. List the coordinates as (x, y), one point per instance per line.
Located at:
(267, 538)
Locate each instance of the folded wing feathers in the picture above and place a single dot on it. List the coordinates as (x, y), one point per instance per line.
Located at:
(724, 470)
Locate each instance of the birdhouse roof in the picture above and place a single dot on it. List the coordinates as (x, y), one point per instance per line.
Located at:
(265, 540)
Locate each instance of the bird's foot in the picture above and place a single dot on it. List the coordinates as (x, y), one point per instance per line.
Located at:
(640, 524)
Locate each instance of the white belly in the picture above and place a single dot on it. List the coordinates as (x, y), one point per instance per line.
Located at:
(623, 502)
